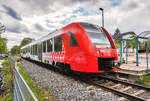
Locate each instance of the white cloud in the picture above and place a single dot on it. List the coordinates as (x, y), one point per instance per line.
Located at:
(40, 17)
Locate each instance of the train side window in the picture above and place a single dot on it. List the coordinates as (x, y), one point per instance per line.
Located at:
(28, 49)
(36, 49)
(58, 44)
(49, 45)
(44, 46)
(33, 49)
(73, 41)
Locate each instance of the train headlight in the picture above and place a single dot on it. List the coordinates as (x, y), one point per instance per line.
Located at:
(98, 52)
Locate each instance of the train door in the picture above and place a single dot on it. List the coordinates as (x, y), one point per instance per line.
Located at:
(58, 48)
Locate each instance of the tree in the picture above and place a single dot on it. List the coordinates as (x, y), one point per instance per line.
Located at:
(116, 34)
(148, 42)
(3, 46)
(117, 31)
(25, 41)
(15, 50)
(2, 29)
(117, 43)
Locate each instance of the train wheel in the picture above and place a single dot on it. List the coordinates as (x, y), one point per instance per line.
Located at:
(67, 68)
(53, 63)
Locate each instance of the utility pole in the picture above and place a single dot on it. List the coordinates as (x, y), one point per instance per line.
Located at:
(101, 9)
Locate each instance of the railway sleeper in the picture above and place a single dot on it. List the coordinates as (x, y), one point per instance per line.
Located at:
(139, 92)
(125, 89)
(117, 85)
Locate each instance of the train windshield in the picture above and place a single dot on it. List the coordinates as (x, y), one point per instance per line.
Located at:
(97, 35)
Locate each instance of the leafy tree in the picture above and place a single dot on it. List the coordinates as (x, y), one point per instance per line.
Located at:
(116, 37)
(148, 42)
(25, 41)
(3, 46)
(117, 43)
(15, 50)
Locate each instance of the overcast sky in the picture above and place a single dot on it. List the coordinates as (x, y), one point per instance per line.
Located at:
(35, 18)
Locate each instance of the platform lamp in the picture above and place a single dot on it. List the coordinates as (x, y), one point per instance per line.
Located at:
(101, 9)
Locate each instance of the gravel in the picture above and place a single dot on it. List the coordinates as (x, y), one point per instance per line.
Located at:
(65, 88)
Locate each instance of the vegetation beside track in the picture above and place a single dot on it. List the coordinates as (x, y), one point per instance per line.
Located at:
(145, 80)
(6, 93)
(40, 93)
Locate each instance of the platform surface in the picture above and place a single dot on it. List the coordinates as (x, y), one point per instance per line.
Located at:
(133, 67)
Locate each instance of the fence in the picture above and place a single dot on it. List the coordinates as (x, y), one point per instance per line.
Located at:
(21, 90)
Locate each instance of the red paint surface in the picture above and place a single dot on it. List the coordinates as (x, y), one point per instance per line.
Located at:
(84, 57)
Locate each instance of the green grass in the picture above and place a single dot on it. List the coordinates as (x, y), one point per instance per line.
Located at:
(145, 80)
(13, 58)
(40, 93)
(6, 94)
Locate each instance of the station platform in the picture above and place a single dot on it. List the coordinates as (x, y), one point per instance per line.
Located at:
(132, 72)
(131, 68)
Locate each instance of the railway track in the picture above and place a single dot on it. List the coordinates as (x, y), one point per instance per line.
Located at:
(126, 90)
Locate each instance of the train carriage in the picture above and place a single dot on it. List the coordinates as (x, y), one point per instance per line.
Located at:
(81, 47)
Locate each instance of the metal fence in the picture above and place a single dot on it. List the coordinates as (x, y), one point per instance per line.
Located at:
(21, 90)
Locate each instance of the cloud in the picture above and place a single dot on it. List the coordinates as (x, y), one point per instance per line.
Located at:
(11, 12)
(39, 27)
(36, 18)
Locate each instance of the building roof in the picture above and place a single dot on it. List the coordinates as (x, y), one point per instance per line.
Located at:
(127, 35)
(145, 34)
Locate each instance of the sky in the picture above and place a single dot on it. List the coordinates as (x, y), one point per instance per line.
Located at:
(36, 18)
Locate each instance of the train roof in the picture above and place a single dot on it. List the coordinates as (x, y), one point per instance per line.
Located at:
(52, 34)
(46, 37)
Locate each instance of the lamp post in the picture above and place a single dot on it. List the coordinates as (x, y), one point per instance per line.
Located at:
(102, 16)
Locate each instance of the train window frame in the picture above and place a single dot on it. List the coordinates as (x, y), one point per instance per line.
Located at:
(44, 46)
(49, 45)
(74, 42)
(35, 49)
(56, 45)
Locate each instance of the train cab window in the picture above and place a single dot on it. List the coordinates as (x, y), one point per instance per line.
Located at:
(44, 46)
(73, 41)
(49, 45)
(97, 36)
(58, 44)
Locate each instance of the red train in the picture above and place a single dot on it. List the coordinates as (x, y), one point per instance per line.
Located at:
(81, 47)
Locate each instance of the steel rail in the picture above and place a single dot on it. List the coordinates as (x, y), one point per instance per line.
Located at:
(117, 92)
(126, 83)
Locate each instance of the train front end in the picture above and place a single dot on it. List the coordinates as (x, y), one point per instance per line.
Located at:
(101, 53)
(106, 52)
